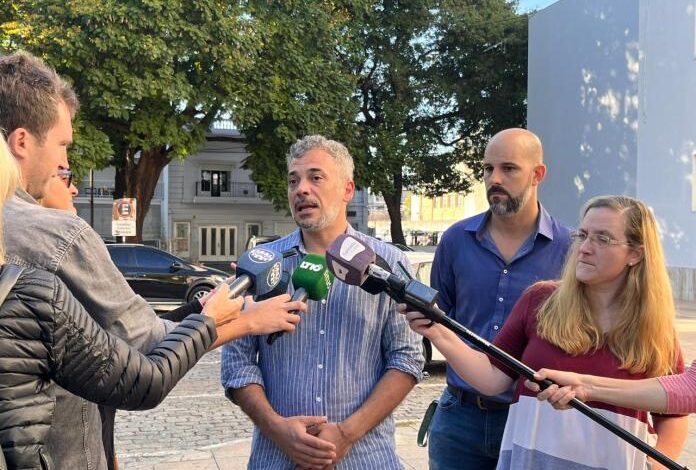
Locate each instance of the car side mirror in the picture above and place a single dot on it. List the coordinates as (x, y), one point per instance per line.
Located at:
(176, 266)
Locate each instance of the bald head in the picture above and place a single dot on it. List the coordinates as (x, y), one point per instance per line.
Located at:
(518, 141)
(513, 168)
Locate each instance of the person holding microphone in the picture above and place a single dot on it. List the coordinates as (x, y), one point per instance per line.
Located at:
(666, 394)
(599, 319)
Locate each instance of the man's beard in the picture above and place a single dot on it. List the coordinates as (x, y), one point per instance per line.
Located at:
(326, 218)
(511, 205)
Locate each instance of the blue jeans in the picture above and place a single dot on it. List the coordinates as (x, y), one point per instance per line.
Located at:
(463, 436)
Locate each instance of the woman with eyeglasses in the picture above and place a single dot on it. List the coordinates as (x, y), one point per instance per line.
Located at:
(60, 191)
(47, 338)
(610, 315)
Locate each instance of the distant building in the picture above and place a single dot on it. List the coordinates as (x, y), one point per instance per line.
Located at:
(425, 218)
(205, 207)
(612, 95)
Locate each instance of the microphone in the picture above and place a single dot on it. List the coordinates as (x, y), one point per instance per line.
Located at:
(311, 280)
(353, 262)
(280, 288)
(258, 271)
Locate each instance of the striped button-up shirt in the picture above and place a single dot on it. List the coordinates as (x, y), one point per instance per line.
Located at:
(329, 366)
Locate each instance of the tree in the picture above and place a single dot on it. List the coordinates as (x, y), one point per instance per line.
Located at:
(436, 80)
(431, 81)
(414, 87)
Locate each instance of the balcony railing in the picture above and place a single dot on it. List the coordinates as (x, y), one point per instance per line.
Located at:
(246, 190)
(105, 189)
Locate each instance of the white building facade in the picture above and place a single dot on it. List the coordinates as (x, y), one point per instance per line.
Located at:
(612, 95)
(206, 206)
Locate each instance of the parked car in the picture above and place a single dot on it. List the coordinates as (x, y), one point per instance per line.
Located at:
(159, 276)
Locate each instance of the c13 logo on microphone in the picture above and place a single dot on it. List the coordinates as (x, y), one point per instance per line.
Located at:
(311, 266)
(274, 274)
(259, 255)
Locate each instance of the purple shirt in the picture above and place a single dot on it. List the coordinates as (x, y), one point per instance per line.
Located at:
(478, 288)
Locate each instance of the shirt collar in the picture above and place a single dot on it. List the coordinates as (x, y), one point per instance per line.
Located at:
(295, 238)
(25, 196)
(478, 222)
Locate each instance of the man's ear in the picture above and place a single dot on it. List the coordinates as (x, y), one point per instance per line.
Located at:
(19, 141)
(349, 191)
(539, 172)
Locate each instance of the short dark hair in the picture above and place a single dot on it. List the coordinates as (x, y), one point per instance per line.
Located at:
(30, 92)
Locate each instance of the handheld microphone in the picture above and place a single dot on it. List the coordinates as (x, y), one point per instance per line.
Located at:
(258, 271)
(355, 262)
(311, 280)
(280, 288)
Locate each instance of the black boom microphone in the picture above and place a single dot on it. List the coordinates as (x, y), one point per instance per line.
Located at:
(353, 262)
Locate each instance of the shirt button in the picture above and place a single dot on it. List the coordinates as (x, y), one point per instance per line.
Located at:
(504, 271)
(495, 327)
(319, 399)
(321, 366)
(321, 332)
(500, 299)
(323, 301)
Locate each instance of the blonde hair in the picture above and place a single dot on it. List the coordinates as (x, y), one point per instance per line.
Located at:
(643, 338)
(9, 180)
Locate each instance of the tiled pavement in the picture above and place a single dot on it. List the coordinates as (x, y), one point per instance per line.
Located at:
(214, 435)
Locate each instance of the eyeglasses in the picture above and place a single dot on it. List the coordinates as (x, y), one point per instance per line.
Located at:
(597, 239)
(66, 176)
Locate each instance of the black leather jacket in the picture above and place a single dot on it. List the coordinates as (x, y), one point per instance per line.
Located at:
(47, 338)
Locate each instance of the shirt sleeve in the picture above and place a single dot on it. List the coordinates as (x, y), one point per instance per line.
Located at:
(239, 366)
(402, 348)
(442, 277)
(513, 336)
(681, 391)
(90, 275)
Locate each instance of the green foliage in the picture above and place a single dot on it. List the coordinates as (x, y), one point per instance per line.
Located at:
(414, 87)
(297, 85)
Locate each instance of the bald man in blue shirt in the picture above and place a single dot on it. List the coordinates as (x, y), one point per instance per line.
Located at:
(481, 267)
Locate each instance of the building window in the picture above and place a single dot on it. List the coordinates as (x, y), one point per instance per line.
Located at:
(215, 182)
(253, 229)
(217, 243)
(182, 239)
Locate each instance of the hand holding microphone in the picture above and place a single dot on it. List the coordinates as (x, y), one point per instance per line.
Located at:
(311, 280)
(353, 262)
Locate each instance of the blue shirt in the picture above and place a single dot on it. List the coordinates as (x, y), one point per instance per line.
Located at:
(330, 364)
(478, 288)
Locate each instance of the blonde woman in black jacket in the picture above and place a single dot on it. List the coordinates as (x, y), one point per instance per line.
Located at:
(47, 338)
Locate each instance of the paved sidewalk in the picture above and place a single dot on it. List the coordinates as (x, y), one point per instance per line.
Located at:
(234, 455)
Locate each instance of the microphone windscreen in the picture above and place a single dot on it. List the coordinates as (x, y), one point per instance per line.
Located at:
(348, 259)
(263, 266)
(313, 276)
(374, 285)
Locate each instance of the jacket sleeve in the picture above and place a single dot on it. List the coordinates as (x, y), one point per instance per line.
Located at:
(87, 270)
(98, 366)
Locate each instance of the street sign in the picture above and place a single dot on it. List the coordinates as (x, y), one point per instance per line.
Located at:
(123, 217)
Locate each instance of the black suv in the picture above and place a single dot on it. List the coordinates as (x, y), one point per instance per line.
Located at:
(159, 276)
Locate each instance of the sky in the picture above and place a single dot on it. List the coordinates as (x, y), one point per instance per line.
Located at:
(526, 5)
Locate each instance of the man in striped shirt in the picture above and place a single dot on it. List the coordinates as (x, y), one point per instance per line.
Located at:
(324, 395)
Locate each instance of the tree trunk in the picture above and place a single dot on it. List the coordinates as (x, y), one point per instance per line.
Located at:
(393, 202)
(139, 180)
